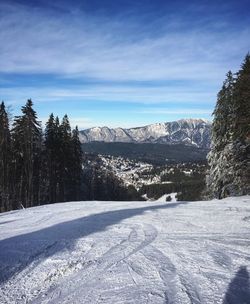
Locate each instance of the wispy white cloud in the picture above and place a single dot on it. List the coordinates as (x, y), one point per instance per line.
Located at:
(111, 93)
(86, 122)
(165, 63)
(80, 45)
(183, 111)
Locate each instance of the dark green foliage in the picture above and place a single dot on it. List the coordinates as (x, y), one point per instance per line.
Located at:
(27, 145)
(186, 191)
(64, 160)
(5, 160)
(241, 122)
(191, 191)
(37, 168)
(155, 191)
(64, 153)
(229, 159)
(223, 113)
(51, 145)
(187, 186)
(76, 165)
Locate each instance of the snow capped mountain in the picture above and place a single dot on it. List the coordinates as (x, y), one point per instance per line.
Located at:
(188, 131)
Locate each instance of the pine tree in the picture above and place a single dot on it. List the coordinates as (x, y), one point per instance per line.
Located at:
(220, 137)
(51, 158)
(65, 159)
(223, 114)
(241, 130)
(5, 160)
(242, 103)
(27, 145)
(76, 165)
(57, 158)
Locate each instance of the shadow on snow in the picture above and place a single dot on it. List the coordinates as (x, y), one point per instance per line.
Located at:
(238, 291)
(18, 252)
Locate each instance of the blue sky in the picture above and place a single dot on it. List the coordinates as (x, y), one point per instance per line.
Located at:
(117, 62)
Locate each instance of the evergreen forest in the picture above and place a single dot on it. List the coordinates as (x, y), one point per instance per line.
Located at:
(39, 167)
(229, 158)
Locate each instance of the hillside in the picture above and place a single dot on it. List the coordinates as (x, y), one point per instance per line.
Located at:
(127, 252)
(194, 132)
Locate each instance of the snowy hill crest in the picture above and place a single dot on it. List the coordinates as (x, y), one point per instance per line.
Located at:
(194, 132)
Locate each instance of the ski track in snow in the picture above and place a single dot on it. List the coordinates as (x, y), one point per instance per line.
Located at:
(127, 252)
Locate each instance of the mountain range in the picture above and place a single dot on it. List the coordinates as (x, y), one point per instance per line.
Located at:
(194, 132)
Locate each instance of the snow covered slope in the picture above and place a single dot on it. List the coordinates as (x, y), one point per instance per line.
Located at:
(127, 252)
(188, 131)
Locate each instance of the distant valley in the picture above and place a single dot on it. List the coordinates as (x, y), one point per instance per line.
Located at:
(152, 169)
(156, 160)
(153, 153)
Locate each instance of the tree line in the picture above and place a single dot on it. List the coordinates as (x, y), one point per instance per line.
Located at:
(40, 167)
(229, 158)
(37, 167)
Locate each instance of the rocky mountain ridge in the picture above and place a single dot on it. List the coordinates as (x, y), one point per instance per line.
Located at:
(194, 132)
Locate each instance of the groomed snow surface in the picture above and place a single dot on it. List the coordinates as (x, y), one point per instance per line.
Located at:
(127, 252)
